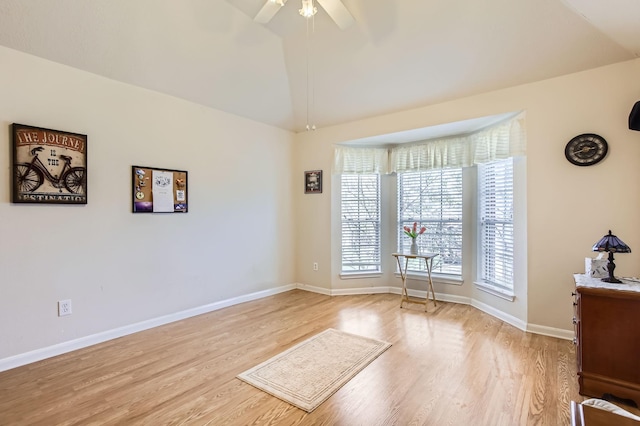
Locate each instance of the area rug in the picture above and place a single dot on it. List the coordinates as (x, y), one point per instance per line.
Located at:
(307, 374)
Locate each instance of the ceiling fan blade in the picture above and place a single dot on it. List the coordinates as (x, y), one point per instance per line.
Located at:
(267, 12)
(338, 12)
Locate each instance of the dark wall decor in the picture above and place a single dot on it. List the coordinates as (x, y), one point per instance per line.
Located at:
(49, 166)
(634, 117)
(586, 149)
(159, 190)
(313, 182)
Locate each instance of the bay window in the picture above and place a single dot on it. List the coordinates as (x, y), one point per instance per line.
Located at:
(423, 182)
(360, 213)
(496, 240)
(433, 199)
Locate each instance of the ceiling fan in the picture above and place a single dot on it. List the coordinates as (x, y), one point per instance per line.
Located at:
(334, 8)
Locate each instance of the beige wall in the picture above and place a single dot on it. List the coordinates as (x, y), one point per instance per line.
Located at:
(246, 180)
(119, 268)
(568, 208)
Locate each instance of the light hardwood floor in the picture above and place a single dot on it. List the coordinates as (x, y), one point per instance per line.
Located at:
(453, 365)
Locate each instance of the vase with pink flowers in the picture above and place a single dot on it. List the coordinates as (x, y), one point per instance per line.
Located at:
(413, 232)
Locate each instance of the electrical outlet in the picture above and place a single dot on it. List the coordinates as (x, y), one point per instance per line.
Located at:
(64, 307)
(315, 266)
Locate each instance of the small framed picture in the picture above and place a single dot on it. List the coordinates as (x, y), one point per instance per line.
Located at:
(313, 182)
(157, 190)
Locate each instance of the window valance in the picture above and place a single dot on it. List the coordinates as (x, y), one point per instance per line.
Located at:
(498, 142)
(355, 160)
(494, 143)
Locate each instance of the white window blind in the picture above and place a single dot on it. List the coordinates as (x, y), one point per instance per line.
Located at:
(360, 212)
(495, 182)
(432, 198)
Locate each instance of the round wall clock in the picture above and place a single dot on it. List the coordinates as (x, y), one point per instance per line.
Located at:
(586, 149)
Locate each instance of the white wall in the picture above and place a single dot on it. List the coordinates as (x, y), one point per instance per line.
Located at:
(568, 208)
(119, 268)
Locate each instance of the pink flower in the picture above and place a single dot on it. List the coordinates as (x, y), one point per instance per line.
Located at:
(413, 232)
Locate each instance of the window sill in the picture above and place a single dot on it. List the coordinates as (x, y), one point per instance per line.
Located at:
(495, 291)
(358, 275)
(436, 278)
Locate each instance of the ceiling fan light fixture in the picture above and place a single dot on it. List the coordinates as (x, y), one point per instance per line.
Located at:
(278, 2)
(308, 9)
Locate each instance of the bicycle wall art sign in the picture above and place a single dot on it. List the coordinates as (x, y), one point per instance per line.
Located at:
(49, 166)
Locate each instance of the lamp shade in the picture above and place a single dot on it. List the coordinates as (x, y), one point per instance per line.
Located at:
(612, 244)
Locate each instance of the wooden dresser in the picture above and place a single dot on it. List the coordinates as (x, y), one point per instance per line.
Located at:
(607, 335)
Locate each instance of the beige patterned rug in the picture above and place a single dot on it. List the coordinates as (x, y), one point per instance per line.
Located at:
(307, 374)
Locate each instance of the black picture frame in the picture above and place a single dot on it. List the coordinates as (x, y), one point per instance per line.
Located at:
(59, 177)
(313, 182)
(171, 183)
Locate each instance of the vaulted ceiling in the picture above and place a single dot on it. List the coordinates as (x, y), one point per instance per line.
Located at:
(399, 54)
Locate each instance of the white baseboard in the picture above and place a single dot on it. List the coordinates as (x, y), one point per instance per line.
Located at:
(421, 294)
(452, 298)
(362, 290)
(345, 291)
(83, 342)
(314, 289)
(551, 331)
(509, 319)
